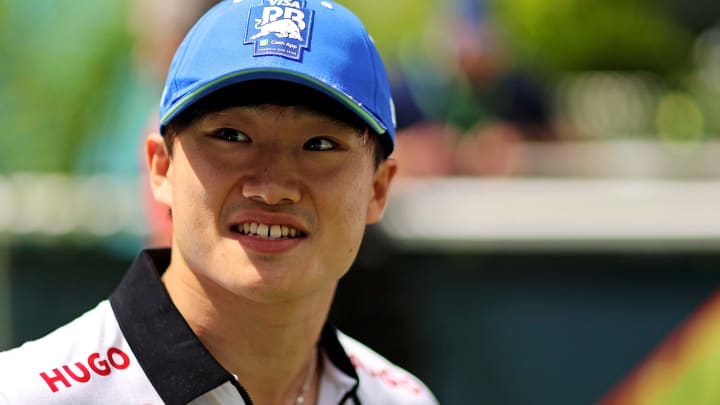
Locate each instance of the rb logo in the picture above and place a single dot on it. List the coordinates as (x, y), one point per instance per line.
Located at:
(285, 27)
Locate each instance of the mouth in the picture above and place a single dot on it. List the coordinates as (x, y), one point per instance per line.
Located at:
(267, 231)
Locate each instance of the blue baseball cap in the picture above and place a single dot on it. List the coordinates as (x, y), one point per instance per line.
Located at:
(318, 44)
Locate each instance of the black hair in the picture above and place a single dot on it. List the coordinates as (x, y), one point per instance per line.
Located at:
(275, 92)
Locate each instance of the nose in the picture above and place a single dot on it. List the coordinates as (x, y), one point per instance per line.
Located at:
(273, 184)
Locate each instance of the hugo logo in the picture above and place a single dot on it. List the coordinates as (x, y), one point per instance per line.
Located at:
(101, 366)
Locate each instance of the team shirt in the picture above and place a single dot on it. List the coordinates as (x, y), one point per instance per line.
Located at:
(135, 348)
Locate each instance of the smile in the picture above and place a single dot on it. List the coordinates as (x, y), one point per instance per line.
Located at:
(267, 231)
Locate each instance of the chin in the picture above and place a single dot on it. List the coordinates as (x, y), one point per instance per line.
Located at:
(266, 283)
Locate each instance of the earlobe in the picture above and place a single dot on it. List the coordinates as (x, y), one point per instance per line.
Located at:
(381, 187)
(159, 167)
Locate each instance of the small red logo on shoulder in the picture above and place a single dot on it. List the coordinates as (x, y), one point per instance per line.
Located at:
(389, 377)
(97, 363)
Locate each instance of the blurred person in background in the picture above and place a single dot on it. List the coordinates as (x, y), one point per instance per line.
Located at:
(425, 145)
(477, 119)
(496, 109)
(275, 131)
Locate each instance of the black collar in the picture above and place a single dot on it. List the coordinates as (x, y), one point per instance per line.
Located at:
(179, 367)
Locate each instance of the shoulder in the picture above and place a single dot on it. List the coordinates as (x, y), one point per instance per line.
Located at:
(59, 345)
(382, 382)
(79, 361)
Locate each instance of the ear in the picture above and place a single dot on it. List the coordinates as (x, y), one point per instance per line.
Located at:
(381, 186)
(159, 168)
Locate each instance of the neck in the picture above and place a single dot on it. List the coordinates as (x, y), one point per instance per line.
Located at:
(268, 346)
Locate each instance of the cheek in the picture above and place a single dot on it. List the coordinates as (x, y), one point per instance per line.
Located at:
(187, 192)
(190, 217)
(197, 197)
(200, 180)
(346, 205)
(196, 205)
(355, 205)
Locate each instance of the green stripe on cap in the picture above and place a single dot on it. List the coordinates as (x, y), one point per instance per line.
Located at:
(344, 98)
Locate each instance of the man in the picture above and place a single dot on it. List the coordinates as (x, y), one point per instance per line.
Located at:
(276, 123)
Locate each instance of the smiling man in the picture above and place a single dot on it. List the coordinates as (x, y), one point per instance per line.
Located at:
(275, 128)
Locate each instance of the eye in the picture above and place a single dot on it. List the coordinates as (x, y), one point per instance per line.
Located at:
(320, 144)
(231, 135)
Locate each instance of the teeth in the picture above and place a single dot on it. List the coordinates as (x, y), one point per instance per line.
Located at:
(275, 231)
(268, 231)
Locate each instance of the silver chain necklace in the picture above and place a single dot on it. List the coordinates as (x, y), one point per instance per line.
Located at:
(300, 400)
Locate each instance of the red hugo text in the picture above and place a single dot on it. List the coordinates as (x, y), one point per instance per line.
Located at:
(101, 366)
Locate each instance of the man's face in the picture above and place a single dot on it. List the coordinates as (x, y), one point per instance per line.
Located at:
(269, 202)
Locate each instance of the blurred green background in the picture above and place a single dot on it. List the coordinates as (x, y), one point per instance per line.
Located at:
(69, 76)
(567, 153)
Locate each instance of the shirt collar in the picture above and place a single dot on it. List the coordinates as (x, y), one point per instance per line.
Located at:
(158, 334)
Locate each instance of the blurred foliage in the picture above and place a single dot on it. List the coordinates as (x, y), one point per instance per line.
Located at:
(571, 35)
(58, 59)
(391, 25)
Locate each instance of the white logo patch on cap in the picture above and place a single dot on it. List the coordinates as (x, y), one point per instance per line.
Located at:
(280, 28)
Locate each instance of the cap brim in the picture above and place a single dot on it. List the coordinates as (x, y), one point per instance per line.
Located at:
(274, 74)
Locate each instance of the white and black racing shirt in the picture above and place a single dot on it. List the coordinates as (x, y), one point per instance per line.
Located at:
(136, 348)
